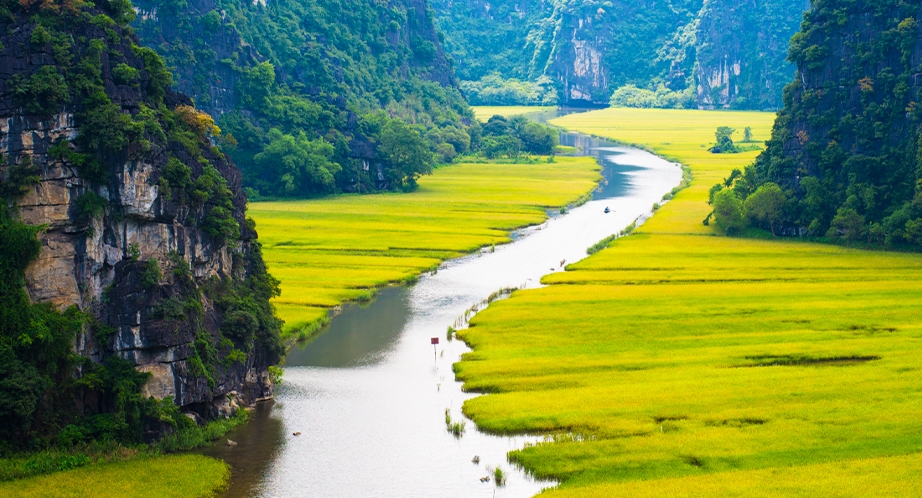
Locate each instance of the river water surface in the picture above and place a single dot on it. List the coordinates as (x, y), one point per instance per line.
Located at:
(368, 396)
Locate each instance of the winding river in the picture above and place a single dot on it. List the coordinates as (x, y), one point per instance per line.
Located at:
(368, 396)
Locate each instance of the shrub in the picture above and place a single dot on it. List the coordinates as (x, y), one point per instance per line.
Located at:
(44, 93)
(90, 205)
(152, 274)
(125, 74)
(728, 211)
(766, 205)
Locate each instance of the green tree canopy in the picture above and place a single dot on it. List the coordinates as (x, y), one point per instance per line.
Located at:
(405, 152)
(766, 206)
(295, 164)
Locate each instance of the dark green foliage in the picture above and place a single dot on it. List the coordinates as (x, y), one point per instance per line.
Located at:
(20, 177)
(295, 165)
(175, 178)
(125, 74)
(504, 137)
(90, 205)
(36, 355)
(662, 97)
(321, 65)
(240, 326)
(405, 152)
(152, 274)
(725, 143)
(249, 318)
(48, 394)
(765, 206)
(845, 148)
(43, 93)
(492, 89)
(728, 212)
(210, 189)
(159, 77)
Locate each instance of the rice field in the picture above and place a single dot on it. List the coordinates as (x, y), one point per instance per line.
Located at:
(679, 362)
(183, 476)
(329, 251)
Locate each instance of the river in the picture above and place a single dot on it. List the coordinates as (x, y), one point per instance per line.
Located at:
(368, 396)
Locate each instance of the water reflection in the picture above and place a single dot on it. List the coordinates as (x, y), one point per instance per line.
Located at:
(349, 341)
(259, 443)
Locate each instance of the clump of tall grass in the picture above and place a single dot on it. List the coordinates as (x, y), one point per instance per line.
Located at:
(499, 476)
(450, 334)
(602, 244)
(197, 437)
(456, 428)
(628, 230)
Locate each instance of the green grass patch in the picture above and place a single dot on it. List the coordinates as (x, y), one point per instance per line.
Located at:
(186, 476)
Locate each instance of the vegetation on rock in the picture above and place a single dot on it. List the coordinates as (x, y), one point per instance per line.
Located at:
(678, 54)
(845, 148)
(79, 65)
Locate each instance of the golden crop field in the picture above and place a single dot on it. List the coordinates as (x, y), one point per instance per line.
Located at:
(337, 249)
(175, 476)
(679, 362)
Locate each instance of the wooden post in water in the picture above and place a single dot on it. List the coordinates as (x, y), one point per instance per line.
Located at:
(435, 354)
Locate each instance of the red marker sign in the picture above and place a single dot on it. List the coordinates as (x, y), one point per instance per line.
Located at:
(435, 342)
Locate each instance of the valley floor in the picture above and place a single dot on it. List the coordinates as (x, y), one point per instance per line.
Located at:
(684, 363)
(337, 249)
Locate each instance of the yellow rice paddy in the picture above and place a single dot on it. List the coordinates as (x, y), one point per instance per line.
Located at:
(679, 362)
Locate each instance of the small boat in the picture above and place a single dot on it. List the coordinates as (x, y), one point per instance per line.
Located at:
(607, 210)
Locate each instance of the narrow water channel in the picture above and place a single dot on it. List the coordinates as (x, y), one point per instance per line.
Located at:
(368, 396)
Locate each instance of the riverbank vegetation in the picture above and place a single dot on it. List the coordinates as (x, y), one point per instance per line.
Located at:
(484, 113)
(679, 359)
(329, 251)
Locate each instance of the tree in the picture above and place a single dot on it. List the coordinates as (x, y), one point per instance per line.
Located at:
(728, 211)
(501, 146)
(747, 134)
(406, 153)
(293, 164)
(44, 93)
(766, 205)
(847, 225)
(725, 145)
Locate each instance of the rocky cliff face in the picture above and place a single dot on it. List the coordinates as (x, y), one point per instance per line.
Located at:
(845, 145)
(741, 50)
(731, 53)
(145, 220)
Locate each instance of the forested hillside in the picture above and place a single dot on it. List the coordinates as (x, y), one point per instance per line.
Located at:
(843, 160)
(131, 284)
(306, 92)
(682, 53)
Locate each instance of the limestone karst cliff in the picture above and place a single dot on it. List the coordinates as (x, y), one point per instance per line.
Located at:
(741, 51)
(727, 53)
(845, 146)
(144, 236)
